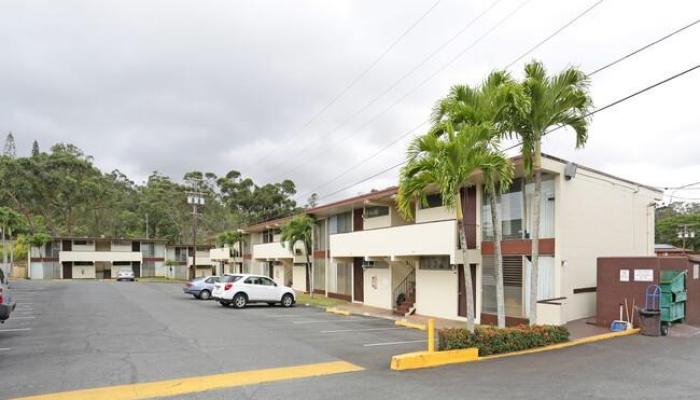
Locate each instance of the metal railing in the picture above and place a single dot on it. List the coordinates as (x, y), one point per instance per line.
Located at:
(406, 289)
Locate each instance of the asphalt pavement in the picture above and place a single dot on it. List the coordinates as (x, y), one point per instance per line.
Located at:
(68, 335)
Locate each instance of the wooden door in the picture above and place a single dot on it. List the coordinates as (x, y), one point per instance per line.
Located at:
(67, 270)
(358, 279)
(358, 221)
(462, 292)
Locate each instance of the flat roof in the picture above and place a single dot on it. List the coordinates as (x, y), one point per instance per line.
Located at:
(107, 238)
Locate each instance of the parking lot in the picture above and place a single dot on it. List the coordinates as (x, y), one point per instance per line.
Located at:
(69, 335)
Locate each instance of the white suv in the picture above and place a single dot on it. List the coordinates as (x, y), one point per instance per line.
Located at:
(241, 289)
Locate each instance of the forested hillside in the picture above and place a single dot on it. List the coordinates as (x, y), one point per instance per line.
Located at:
(62, 192)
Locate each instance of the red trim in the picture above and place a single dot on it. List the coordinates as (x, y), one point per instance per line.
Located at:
(153, 259)
(247, 256)
(320, 253)
(345, 297)
(491, 319)
(519, 247)
(44, 259)
(367, 196)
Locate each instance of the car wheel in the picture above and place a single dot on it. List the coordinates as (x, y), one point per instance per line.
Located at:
(664, 329)
(204, 295)
(240, 300)
(287, 300)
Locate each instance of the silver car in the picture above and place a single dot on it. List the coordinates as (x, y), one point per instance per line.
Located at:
(7, 303)
(201, 288)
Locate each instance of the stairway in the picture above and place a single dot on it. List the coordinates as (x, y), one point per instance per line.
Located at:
(406, 307)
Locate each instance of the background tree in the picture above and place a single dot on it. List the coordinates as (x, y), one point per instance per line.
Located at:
(671, 219)
(35, 149)
(10, 222)
(39, 240)
(300, 229)
(552, 101)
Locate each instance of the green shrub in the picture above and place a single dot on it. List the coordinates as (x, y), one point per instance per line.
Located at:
(491, 340)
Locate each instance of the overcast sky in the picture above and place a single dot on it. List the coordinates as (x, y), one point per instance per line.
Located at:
(175, 86)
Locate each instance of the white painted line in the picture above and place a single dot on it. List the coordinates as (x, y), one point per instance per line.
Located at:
(16, 330)
(363, 330)
(306, 315)
(25, 304)
(4, 348)
(393, 343)
(321, 321)
(11, 318)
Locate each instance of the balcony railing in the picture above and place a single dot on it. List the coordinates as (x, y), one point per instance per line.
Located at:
(271, 251)
(95, 256)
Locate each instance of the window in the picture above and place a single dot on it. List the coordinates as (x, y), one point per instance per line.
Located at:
(435, 263)
(266, 282)
(121, 263)
(213, 279)
(511, 213)
(148, 249)
(82, 242)
(432, 201)
(376, 211)
(341, 223)
(230, 278)
(82, 263)
(268, 235)
(512, 285)
(344, 278)
(320, 274)
(253, 280)
(320, 235)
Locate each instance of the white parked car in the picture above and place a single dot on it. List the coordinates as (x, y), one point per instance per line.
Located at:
(241, 289)
(125, 276)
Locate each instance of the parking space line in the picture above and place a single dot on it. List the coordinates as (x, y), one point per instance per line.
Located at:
(321, 321)
(362, 330)
(305, 315)
(197, 384)
(21, 317)
(4, 348)
(16, 330)
(393, 343)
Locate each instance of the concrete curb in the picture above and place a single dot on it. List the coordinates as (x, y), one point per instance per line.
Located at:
(412, 325)
(424, 359)
(337, 311)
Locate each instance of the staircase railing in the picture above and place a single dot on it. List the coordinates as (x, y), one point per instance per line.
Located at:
(406, 288)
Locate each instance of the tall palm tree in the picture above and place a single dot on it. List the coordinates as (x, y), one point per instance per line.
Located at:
(300, 229)
(490, 107)
(553, 101)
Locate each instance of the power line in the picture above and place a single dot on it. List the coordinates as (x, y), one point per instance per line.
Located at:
(614, 103)
(555, 33)
(374, 63)
(401, 79)
(397, 139)
(451, 61)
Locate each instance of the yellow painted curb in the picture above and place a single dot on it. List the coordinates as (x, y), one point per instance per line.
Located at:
(412, 361)
(175, 387)
(337, 311)
(406, 324)
(425, 359)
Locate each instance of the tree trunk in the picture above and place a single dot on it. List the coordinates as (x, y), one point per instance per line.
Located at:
(12, 253)
(467, 275)
(309, 284)
(535, 238)
(495, 201)
(4, 253)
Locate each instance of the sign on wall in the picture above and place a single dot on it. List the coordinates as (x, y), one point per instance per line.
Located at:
(644, 275)
(624, 275)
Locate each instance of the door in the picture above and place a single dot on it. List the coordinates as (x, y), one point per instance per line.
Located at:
(358, 221)
(67, 270)
(251, 286)
(136, 268)
(462, 292)
(358, 280)
(269, 290)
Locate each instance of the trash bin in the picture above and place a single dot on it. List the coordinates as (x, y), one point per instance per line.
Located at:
(650, 322)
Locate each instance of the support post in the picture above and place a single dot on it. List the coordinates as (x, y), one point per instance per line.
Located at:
(431, 335)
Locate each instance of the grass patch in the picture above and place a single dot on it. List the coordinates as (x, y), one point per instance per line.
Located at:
(319, 300)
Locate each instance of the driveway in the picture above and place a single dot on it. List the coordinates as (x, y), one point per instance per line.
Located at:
(69, 335)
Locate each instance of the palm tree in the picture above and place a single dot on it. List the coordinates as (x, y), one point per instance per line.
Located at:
(553, 101)
(10, 221)
(300, 229)
(488, 111)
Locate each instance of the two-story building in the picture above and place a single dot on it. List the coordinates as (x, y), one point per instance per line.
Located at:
(179, 261)
(272, 257)
(370, 254)
(95, 257)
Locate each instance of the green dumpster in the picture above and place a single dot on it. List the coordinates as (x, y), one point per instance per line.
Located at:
(673, 296)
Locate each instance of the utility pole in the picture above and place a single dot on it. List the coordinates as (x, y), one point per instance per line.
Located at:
(146, 225)
(195, 198)
(686, 233)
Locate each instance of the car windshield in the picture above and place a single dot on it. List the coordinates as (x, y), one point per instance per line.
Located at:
(230, 278)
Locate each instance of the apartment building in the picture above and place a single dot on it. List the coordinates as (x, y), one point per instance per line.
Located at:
(179, 261)
(95, 258)
(234, 259)
(364, 251)
(272, 257)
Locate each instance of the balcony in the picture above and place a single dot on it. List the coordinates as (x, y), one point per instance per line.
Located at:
(422, 239)
(220, 254)
(271, 251)
(99, 256)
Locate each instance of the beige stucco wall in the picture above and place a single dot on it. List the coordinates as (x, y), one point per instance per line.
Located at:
(279, 275)
(95, 256)
(436, 293)
(299, 278)
(83, 272)
(597, 216)
(119, 246)
(379, 294)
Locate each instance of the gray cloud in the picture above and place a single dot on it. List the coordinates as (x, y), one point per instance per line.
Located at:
(214, 85)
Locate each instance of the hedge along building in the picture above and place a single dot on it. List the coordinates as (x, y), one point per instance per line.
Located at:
(96, 257)
(368, 253)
